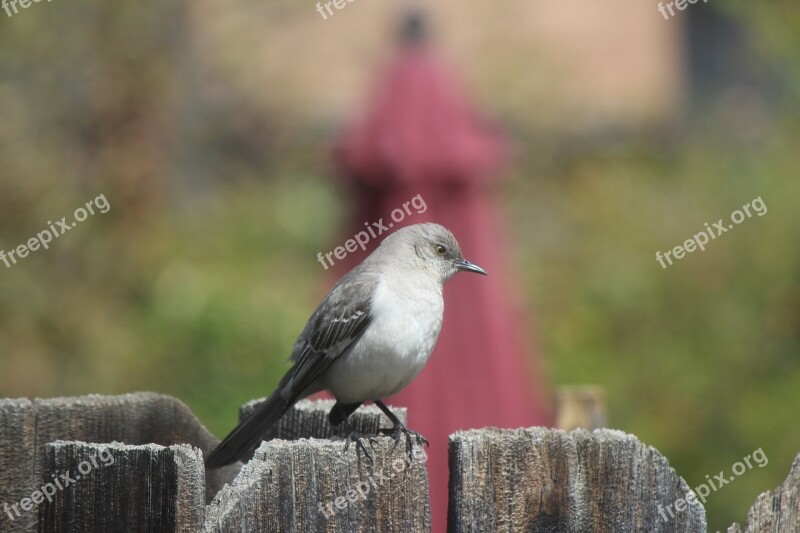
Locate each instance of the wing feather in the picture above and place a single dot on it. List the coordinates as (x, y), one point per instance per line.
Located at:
(336, 324)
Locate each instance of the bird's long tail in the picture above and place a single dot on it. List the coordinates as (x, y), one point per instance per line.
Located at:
(247, 434)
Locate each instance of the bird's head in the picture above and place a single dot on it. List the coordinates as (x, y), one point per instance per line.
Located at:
(433, 248)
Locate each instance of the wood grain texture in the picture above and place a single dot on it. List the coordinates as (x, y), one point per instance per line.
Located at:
(548, 480)
(120, 488)
(501, 480)
(314, 485)
(134, 419)
(17, 444)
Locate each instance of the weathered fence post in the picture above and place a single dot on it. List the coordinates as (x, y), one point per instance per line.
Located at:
(300, 480)
(135, 419)
(509, 480)
(152, 487)
(17, 449)
(548, 480)
(114, 487)
(777, 511)
(580, 406)
(313, 485)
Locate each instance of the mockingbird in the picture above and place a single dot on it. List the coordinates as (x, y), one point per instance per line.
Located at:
(370, 336)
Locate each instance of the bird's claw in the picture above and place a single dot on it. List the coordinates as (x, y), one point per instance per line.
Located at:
(397, 432)
(359, 439)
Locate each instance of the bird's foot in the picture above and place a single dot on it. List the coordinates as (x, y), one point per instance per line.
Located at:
(398, 431)
(361, 447)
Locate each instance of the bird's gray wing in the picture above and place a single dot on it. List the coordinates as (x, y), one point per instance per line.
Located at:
(337, 323)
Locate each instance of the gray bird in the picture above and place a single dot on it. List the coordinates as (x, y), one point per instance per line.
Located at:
(370, 336)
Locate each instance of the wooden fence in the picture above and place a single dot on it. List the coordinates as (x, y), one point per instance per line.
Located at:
(135, 463)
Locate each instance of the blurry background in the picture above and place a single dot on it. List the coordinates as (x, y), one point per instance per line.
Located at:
(207, 126)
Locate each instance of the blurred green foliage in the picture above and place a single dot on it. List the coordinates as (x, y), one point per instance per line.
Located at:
(699, 360)
(198, 279)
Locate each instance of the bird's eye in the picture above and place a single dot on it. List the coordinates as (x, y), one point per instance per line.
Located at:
(441, 250)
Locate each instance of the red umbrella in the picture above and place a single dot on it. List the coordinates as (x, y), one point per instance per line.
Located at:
(419, 138)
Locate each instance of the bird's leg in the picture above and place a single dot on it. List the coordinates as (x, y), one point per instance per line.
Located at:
(399, 429)
(341, 413)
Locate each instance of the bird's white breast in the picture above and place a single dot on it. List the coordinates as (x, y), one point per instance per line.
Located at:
(406, 320)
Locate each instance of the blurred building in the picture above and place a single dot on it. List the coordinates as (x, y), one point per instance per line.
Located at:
(562, 65)
(559, 68)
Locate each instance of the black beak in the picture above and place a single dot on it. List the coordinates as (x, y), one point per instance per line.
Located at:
(463, 264)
